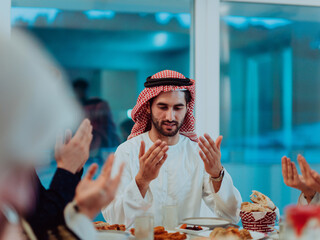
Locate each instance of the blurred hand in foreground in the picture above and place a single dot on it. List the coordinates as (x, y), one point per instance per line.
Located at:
(92, 195)
(73, 153)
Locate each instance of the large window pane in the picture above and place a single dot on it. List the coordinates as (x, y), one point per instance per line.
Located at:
(269, 82)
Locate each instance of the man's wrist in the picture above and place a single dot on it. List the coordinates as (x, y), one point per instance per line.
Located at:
(308, 195)
(219, 177)
(67, 168)
(77, 206)
(142, 185)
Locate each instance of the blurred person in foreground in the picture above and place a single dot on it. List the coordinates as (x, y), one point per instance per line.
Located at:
(35, 106)
(71, 153)
(308, 183)
(166, 163)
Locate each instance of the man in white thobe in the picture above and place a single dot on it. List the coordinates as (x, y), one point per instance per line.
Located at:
(165, 162)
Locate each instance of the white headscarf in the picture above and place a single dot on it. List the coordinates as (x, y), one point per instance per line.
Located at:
(35, 103)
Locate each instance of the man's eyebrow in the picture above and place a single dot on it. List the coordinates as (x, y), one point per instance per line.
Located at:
(179, 105)
(165, 104)
(162, 104)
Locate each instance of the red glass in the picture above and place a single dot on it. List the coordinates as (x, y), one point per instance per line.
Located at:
(299, 216)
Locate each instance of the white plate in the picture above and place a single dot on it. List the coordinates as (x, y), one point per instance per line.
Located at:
(254, 235)
(206, 222)
(189, 231)
(112, 234)
(169, 231)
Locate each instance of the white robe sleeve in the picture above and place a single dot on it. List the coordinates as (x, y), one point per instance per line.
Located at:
(226, 202)
(79, 223)
(303, 201)
(128, 202)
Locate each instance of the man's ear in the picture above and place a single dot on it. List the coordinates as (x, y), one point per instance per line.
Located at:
(188, 105)
(148, 108)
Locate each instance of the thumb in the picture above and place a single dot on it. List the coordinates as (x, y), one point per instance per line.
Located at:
(218, 142)
(91, 171)
(142, 149)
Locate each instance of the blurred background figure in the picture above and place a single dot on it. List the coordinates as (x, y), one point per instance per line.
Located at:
(126, 127)
(80, 87)
(98, 112)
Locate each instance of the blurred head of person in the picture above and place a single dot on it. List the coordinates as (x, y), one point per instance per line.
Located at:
(126, 127)
(36, 104)
(80, 87)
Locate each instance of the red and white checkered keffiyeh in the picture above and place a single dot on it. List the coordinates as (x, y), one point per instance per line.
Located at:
(142, 118)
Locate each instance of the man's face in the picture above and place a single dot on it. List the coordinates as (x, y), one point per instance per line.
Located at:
(168, 111)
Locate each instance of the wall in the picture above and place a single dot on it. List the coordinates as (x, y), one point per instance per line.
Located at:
(5, 23)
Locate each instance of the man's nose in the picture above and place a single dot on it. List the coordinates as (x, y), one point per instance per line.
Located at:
(170, 115)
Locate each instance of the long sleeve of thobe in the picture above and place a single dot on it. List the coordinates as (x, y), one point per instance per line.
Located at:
(129, 202)
(224, 203)
(303, 201)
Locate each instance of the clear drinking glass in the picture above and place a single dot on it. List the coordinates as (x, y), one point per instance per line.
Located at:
(170, 217)
(144, 227)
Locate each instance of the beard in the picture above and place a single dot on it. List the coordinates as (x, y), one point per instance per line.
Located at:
(160, 126)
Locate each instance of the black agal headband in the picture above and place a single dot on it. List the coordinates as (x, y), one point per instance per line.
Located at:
(155, 82)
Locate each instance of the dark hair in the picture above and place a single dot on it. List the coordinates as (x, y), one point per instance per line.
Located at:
(80, 83)
(187, 96)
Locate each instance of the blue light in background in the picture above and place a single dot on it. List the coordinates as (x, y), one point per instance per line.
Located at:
(129, 113)
(160, 39)
(269, 23)
(244, 22)
(30, 15)
(99, 14)
(184, 19)
(236, 21)
(163, 17)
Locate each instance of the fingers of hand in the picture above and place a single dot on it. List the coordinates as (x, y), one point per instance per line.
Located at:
(305, 169)
(142, 149)
(158, 153)
(91, 171)
(218, 142)
(59, 143)
(203, 157)
(284, 169)
(151, 149)
(213, 145)
(107, 167)
(290, 171)
(206, 149)
(162, 160)
(68, 136)
(295, 173)
(83, 129)
(315, 176)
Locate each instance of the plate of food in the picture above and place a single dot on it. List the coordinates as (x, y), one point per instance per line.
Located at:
(191, 229)
(102, 226)
(207, 222)
(242, 234)
(161, 234)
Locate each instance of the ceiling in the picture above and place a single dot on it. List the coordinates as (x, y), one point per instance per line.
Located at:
(174, 6)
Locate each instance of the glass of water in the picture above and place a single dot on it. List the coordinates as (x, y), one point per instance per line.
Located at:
(170, 217)
(144, 227)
